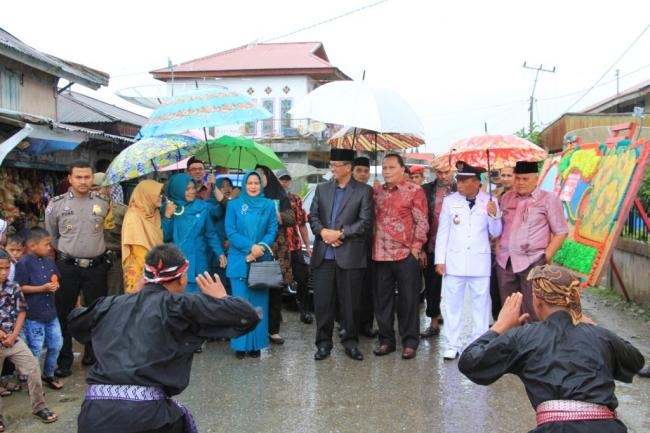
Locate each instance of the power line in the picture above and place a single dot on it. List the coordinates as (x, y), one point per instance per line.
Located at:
(329, 20)
(302, 29)
(610, 68)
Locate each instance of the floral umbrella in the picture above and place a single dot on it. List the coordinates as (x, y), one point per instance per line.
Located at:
(371, 141)
(493, 151)
(202, 109)
(148, 155)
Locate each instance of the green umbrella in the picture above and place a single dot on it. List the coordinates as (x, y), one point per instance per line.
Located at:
(239, 152)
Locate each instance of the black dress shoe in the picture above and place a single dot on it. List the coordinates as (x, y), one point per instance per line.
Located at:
(88, 359)
(384, 349)
(408, 353)
(276, 339)
(254, 353)
(240, 354)
(644, 372)
(354, 353)
(62, 372)
(306, 317)
(321, 353)
(430, 332)
(369, 332)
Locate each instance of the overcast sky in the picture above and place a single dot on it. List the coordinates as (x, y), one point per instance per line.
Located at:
(459, 64)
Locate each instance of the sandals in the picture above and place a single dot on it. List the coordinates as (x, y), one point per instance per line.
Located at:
(4, 392)
(53, 382)
(46, 416)
(10, 386)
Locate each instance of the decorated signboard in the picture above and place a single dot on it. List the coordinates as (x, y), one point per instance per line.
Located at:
(597, 183)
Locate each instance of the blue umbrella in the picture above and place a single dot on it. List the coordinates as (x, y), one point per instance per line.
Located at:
(202, 109)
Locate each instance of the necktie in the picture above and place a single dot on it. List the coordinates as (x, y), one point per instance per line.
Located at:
(471, 201)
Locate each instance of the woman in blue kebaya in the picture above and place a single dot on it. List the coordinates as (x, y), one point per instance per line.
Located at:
(251, 227)
(187, 224)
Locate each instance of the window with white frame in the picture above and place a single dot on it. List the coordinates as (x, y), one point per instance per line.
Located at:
(267, 125)
(9, 89)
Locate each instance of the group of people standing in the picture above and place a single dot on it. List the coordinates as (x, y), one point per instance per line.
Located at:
(372, 247)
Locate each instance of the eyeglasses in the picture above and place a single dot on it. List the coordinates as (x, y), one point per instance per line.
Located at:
(196, 169)
(338, 164)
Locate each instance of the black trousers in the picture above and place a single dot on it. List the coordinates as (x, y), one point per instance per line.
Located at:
(331, 283)
(367, 308)
(92, 284)
(275, 310)
(432, 287)
(406, 273)
(494, 290)
(300, 271)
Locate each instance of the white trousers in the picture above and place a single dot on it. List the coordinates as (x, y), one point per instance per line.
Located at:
(453, 304)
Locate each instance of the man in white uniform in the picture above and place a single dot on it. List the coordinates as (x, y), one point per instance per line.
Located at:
(467, 220)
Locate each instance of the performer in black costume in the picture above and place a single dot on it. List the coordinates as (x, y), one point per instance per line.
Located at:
(566, 362)
(144, 343)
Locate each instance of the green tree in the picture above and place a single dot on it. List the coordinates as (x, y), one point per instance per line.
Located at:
(532, 135)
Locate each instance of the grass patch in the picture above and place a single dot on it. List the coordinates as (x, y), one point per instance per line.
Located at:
(614, 296)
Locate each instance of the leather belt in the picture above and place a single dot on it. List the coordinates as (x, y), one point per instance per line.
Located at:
(80, 261)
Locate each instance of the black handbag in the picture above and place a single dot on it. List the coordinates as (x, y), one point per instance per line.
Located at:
(265, 275)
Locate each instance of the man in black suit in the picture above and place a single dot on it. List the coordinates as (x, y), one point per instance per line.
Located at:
(340, 216)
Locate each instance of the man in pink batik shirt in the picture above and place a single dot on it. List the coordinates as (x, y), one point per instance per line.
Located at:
(534, 227)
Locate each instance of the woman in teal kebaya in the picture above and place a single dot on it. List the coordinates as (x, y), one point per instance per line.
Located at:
(251, 227)
(187, 224)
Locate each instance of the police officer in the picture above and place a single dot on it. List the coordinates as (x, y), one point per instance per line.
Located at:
(75, 220)
(467, 220)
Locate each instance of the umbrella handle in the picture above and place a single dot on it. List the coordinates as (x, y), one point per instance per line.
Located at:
(205, 135)
(489, 176)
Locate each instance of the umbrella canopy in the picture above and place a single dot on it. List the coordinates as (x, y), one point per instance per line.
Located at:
(371, 141)
(493, 151)
(361, 105)
(202, 109)
(148, 155)
(239, 152)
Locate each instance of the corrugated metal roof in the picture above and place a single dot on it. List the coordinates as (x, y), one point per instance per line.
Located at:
(636, 91)
(290, 58)
(73, 107)
(15, 49)
(23, 118)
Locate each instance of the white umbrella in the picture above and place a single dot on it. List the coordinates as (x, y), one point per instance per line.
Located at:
(361, 105)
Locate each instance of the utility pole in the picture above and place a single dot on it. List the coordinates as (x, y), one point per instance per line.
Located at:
(538, 69)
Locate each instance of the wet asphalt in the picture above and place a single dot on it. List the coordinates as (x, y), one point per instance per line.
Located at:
(286, 390)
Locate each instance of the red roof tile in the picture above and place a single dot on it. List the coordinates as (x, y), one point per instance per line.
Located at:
(294, 58)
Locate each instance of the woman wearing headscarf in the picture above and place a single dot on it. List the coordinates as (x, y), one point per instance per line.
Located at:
(251, 227)
(567, 364)
(218, 214)
(286, 217)
(141, 231)
(186, 223)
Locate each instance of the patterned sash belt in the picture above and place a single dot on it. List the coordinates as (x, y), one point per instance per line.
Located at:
(572, 410)
(138, 393)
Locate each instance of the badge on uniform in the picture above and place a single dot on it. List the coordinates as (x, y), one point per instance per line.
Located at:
(67, 211)
(97, 209)
(456, 219)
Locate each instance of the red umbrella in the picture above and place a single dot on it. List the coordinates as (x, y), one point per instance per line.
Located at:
(493, 150)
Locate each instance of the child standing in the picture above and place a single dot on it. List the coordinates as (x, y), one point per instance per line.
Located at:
(12, 317)
(38, 277)
(16, 249)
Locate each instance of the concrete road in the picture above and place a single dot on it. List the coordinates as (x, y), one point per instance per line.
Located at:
(287, 391)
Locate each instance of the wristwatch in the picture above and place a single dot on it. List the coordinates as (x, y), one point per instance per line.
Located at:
(342, 236)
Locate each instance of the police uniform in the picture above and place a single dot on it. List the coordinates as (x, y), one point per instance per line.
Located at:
(76, 225)
(463, 246)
